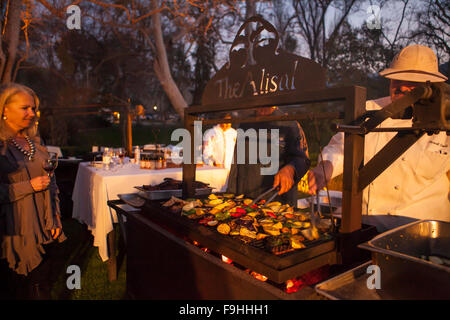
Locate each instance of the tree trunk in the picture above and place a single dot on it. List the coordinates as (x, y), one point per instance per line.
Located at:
(162, 70)
(12, 39)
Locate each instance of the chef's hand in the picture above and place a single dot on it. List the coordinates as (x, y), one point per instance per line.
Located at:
(316, 179)
(40, 183)
(55, 233)
(284, 179)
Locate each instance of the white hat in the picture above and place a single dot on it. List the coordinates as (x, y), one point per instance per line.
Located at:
(414, 63)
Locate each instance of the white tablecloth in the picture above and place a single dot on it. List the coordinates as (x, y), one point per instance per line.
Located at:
(94, 187)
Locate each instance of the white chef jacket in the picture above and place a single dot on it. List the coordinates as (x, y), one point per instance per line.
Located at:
(415, 185)
(218, 146)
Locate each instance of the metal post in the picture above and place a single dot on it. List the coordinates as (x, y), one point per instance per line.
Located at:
(189, 168)
(127, 129)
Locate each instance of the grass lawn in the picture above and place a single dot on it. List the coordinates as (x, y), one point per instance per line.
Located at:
(78, 250)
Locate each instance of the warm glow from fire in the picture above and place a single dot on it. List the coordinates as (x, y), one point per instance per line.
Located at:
(258, 276)
(289, 284)
(294, 285)
(226, 260)
(195, 243)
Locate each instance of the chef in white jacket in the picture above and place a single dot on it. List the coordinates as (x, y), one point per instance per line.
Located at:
(218, 145)
(416, 185)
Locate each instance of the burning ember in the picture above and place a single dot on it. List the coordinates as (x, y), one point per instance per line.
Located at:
(294, 285)
(308, 279)
(226, 260)
(258, 276)
(195, 243)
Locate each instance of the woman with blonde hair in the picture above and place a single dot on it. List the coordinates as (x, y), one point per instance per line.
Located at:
(29, 206)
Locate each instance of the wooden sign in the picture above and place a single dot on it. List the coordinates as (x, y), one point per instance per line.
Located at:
(257, 68)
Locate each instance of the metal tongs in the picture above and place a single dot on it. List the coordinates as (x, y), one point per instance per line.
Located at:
(262, 195)
(315, 219)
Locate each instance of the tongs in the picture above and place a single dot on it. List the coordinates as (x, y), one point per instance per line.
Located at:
(265, 193)
(315, 219)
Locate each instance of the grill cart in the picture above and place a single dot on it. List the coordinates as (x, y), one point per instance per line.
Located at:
(172, 257)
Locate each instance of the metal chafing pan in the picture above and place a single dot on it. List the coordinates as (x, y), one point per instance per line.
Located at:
(403, 255)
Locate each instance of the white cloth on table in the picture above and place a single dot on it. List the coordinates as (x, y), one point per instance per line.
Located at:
(415, 185)
(94, 187)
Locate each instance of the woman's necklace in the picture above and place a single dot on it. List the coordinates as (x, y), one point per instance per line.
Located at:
(29, 154)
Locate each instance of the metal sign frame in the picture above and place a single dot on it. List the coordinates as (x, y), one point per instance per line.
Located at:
(311, 91)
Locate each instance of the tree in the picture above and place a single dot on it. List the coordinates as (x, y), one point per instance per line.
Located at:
(310, 18)
(10, 37)
(434, 27)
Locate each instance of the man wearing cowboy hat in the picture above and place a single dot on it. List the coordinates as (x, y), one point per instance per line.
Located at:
(416, 185)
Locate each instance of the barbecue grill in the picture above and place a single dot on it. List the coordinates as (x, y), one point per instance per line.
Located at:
(184, 271)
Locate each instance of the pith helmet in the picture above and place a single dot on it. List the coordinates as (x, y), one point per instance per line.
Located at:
(414, 63)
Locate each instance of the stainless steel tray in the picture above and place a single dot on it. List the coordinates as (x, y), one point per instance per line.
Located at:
(350, 285)
(132, 199)
(167, 194)
(402, 253)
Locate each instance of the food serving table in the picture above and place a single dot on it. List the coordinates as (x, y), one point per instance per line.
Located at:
(95, 186)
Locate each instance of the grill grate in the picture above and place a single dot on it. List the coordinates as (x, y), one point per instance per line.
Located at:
(284, 249)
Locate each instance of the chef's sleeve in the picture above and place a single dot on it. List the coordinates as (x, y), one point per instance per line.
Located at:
(334, 152)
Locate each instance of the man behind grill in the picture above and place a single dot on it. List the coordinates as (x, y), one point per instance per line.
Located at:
(416, 185)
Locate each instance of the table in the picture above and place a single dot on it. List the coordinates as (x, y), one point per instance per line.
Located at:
(95, 186)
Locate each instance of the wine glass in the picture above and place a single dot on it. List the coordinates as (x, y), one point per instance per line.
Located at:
(50, 164)
(121, 154)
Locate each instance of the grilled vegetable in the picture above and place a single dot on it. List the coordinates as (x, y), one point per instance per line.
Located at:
(296, 242)
(222, 216)
(260, 236)
(199, 211)
(215, 202)
(236, 214)
(269, 213)
(189, 206)
(205, 220)
(285, 230)
(235, 232)
(275, 208)
(272, 231)
(247, 233)
(279, 225)
(223, 228)
(189, 212)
